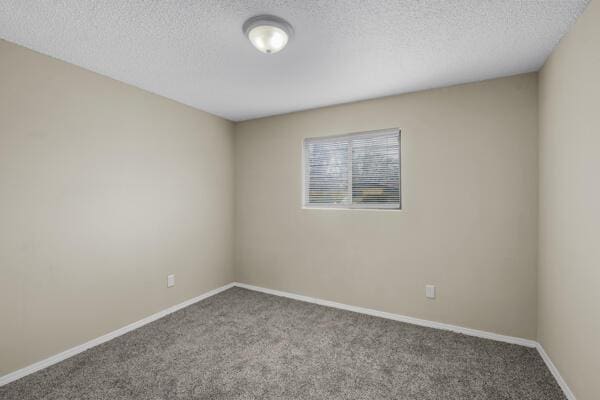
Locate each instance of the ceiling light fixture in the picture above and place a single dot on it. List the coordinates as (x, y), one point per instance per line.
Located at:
(269, 34)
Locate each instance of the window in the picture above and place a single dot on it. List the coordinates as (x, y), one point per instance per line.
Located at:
(360, 170)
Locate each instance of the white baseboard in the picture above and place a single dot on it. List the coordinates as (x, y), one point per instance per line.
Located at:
(430, 324)
(104, 338)
(396, 317)
(559, 379)
(382, 314)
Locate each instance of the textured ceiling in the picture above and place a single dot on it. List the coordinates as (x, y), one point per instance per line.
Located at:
(194, 51)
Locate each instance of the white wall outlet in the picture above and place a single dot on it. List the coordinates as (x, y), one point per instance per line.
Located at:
(170, 280)
(430, 291)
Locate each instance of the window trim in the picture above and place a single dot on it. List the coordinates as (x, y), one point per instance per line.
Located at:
(352, 206)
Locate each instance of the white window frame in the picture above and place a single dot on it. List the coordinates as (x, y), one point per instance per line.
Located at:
(351, 206)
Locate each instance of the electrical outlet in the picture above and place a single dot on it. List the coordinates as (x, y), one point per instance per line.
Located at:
(430, 291)
(170, 280)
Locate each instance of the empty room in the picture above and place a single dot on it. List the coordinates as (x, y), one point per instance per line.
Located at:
(316, 199)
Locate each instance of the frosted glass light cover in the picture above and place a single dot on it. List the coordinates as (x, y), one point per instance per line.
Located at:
(268, 39)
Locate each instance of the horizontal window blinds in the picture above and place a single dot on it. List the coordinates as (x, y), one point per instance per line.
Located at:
(353, 171)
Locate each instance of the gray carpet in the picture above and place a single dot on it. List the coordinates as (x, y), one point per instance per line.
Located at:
(247, 345)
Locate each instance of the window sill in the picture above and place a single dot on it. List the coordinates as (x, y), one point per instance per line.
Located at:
(349, 209)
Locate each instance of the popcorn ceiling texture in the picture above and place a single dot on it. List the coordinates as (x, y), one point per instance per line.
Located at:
(194, 51)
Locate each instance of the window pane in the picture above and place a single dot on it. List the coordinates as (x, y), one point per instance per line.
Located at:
(376, 170)
(327, 172)
(360, 170)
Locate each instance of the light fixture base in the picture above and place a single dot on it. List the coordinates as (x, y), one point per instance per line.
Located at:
(268, 33)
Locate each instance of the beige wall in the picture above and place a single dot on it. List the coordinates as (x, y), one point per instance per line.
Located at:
(469, 218)
(104, 190)
(569, 269)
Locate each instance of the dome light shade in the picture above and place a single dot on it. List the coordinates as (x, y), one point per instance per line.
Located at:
(269, 34)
